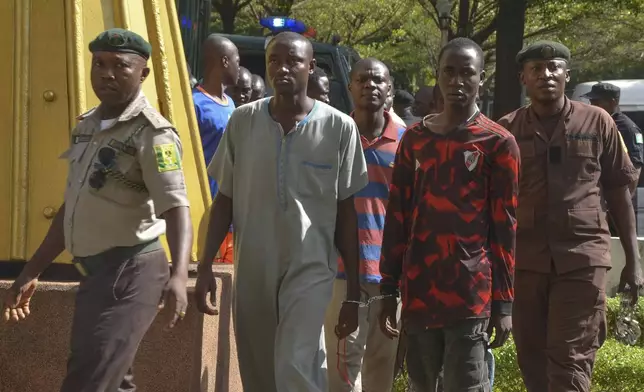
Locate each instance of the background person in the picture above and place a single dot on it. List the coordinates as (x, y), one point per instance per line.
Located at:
(318, 87)
(258, 88)
(571, 155)
(242, 90)
(213, 108)
(292, 208)
(365, 359)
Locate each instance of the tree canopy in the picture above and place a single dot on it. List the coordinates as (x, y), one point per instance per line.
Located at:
(605, 37)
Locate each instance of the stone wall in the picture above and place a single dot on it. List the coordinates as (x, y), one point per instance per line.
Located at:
(199, 355)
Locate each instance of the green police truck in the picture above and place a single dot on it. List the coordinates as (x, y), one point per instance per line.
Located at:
(335, 60)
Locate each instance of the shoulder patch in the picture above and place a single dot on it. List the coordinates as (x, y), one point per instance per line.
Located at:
(621, 142)
(81, 138)
(167, 157)
(156, 119)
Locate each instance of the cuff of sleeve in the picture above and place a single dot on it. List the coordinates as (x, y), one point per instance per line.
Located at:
(502, 307)
(389, 289)
(172, 199)
(356, 187)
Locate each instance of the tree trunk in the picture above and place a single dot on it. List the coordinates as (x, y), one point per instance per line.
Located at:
(227, 10)
(463, 23)
(228, 20)
(509, 41)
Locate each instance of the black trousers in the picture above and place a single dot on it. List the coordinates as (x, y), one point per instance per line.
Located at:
(459, 350)
(115, 305)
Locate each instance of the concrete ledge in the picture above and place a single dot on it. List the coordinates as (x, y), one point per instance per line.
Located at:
(199, 355)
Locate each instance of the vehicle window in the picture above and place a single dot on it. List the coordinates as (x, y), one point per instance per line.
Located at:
(336, 85)
(254, 62)
(637, 117)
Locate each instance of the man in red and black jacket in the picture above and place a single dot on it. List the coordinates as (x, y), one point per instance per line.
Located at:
(449, 236)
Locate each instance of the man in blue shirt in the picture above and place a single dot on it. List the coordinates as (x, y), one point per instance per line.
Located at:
(213, 107)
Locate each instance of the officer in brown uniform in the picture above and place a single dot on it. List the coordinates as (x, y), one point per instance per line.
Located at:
(124, 186)
(570, 154)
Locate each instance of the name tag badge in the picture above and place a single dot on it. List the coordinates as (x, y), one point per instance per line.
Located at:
(554, 155)
(638, 138)
(120, 146)
(81, 139)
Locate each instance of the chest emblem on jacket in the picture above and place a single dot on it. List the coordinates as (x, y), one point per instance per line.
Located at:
(471, 159)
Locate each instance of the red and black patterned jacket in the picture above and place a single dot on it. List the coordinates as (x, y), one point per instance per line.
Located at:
(450, 230)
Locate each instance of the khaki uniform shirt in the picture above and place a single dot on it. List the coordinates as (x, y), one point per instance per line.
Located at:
(140, 157)
(560, 217)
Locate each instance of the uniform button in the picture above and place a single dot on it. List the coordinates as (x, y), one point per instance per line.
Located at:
(94, 143)
(80, 181)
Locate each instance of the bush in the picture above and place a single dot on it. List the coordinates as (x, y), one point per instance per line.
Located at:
(618, 368)
(611, 315)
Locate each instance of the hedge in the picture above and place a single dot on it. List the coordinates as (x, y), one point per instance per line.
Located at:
(618, 368)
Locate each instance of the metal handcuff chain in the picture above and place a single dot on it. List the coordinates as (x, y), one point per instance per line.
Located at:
(369, 300)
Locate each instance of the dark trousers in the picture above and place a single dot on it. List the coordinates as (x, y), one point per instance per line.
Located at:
(115, 305)
(559, 323)
(458, 349)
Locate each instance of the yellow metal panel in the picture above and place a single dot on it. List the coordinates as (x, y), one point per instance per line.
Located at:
(76, 86)
(122, 14)
(187, 124)
(7, 38)
(47, 84)
(176, 100)
(19, 168)
(159, 57)
(98, 16)
(48, 133)
(136, 13)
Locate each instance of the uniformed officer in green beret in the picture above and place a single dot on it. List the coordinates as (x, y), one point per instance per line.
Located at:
(572, 155)
(125, 188)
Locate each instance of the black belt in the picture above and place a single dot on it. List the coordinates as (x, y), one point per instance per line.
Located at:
(90, 264)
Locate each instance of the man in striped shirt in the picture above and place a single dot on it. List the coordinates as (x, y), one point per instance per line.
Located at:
(348, 371)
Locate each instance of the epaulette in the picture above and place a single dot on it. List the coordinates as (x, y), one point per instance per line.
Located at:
(155, 119)
(87, 114)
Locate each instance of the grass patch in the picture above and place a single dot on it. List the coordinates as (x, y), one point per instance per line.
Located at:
(618, 368)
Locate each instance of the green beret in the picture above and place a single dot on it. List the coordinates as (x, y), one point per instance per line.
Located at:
(120, 40)
(543, 50)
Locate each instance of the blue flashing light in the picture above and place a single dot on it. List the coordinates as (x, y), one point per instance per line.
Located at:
(185, 22)
(277, 24)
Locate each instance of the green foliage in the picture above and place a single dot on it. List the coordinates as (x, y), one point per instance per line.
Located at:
(606, 38)
(397, 32)
(507, 377)
(618, 368)
(606, 42)
(611, 316)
